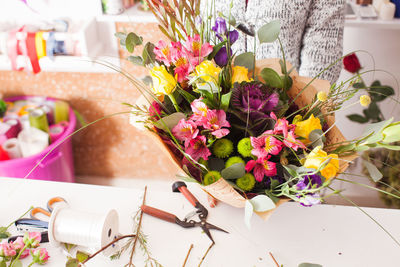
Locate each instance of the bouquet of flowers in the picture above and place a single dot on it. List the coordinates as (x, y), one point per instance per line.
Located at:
(252, 133)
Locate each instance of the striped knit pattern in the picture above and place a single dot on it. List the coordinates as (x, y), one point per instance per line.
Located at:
(311, 31)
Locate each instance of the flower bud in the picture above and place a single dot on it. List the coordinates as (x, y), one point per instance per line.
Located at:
(40, 255)
(32, 239)
(365, 100)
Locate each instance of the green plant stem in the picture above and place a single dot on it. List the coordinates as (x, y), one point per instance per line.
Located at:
(368, 186)
(18, 256)
(32, 263)
(8, 226)
(173, 100)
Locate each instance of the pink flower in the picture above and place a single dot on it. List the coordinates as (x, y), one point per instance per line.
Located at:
(163, 52)
(198, 148)
(40, 255)
(155, 110)
(291, 141)
(7, 250)
(265, 145)
(282, 125)
(197, 49)
(185, 131)
(262, 167)
(216, 119)
(32, 239)
(200, 111)
(18, 245)
(182, 61)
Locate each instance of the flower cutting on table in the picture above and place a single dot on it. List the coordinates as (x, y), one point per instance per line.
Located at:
(252, 133)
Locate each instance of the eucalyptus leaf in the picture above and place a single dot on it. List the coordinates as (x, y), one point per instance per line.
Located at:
(306, 264)
(148, 54)
(271, 78)
(81, 256)
(170, 121)
(234, 171)
(245, 60)
(120, 35)
(373, 171)
(262, 203)
(287, 82)
(129, 45)
(359, 85)
(269, 32)
(316, 134)
(72, 263)
(248, 212)
(136, 60)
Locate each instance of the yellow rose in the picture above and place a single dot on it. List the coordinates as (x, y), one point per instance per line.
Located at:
(163, 82)
(304, 128)
(240, 74)
(317, 157)
(207, 71)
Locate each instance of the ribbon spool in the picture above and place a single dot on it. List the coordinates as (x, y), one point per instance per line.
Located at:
(84, 229)
(38, 119)
(32, 141)
(12, 148)
(57, 130)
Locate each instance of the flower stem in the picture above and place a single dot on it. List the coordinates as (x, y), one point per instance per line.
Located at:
(173, 100)
(18, 256)
(31, 264)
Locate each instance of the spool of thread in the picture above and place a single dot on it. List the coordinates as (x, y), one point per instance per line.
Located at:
(15, 128)
(25, 110)
(387, 11)
(49, 111)
(32, 141)
(61, 111)
(3, 154)
(12, 148)
(85, 229)
(57, 130)
(24, 120)
(38, 119)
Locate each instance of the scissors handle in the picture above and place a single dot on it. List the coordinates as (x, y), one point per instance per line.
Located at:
(163, 215)
(53, 200)
(181, 187)
(38, 210)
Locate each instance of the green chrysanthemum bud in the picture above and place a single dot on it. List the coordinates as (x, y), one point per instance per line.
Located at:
(247, 182)
(222, 148)
(233, 160)
(245, 147)
(211, 177)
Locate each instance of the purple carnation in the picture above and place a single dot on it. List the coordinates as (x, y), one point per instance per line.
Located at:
(255, 100)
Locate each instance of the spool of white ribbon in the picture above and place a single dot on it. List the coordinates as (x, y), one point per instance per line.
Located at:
(378, 3)
(85, 229)
(32, 141)
(387, 11)
(12, 147)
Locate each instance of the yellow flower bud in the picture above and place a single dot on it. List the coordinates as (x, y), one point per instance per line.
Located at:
(365, 100)
(240, 74)
(163, 82)
(322, 96)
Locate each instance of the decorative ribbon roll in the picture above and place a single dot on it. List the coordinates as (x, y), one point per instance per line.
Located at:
(85, 229)
(15, 128)
(3, 154)
(61, 111)
(24, 120)
(38, 119)
(40, 45)
(49, 113)
(12, 148)
(32, 141)
(57, 130)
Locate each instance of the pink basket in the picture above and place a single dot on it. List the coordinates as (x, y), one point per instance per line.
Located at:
(57, 166)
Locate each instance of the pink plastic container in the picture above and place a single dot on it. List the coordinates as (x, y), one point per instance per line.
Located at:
(57, 166)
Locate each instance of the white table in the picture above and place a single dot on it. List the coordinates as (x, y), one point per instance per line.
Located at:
(333, 236)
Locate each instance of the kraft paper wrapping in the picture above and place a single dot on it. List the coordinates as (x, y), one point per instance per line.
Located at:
(223, 191)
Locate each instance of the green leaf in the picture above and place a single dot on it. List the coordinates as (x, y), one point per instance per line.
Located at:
(72, 263)
(4, 235)
(373, 171)
(373, 132)
(271, 78)
(379, 92)
(271, 195)
(81, 256)
(187, 179)
(248, 212)
(131, 41)
(2, 263)
(344, 148)
(306, 264)
(188, 96)
(391, 133)
(287, 82)
(359, 85)
(235, 171)
(120, 35)
(170, 121)
(269, 32)
(262, 203)
(17, 263)
(291, 171)
(317, 138)
(357, 118)
(137, 60)
(391, 147)
(245, 60)
(148, 53)
(225, 100)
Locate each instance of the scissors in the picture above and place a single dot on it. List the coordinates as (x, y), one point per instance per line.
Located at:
(35, 223)
(185, 223)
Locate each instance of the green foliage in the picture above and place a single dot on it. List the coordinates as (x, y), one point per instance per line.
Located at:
(211, 177)
(170, 121)
(245, 60)
(244, 147)
(317, 138)
(233, 160)
(3, 233)
(72, 263)
(136, 60)
(81, 256)
(373, 171)
(271, 78)
(3, 108)
(148, 53)
(131, 41)
(222, 148)
(225, 100)
(234, 171)
(246, 182)
(269, 32)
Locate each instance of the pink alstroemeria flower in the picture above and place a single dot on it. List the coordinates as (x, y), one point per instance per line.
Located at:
(181, 58)
(7, 250)
(163, 53)
(200, 111)
(197, 49)
(40, 255)
(282, 126)
(291, 141)
(216, 119)
(198, 148)
(185, 131)
(265, 144)
(262, 167)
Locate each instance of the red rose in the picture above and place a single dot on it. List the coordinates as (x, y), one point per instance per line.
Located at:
(351, 63)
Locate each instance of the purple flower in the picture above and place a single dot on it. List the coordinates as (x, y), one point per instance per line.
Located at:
(233, 36)
(309, 181)
(221, 58)
(310, 200)
(255, 100)
(220, 27)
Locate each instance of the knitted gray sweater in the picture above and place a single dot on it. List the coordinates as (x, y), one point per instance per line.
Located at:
(311, 31)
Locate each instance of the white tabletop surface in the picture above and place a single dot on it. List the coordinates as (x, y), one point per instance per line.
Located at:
(332, 236)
